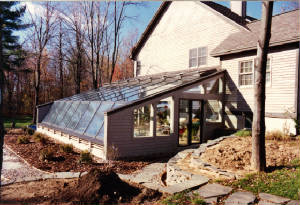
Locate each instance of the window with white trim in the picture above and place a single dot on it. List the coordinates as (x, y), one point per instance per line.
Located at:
(246, 73)
(197, 57)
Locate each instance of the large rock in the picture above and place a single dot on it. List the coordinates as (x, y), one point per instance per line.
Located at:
(240, 198)
(294, 202)
(196, 181)
(272, 198)
(213, 190)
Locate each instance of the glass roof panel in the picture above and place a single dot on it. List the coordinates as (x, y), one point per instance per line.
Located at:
(86, 118)
(78, 114)
(69, 114)
(55, 111)
(98, 119)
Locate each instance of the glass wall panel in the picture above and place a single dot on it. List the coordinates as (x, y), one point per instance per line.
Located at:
(163, 118)
(213, 111)
(69, 114)
(183, 122)
(61, 113)
(98, 119)
(78, 114)
(142, 121)
(55, 111)
(197, 90)
(100, 134)
(86, 118)
(196, 120)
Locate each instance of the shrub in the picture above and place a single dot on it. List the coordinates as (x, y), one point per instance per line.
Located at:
(46, 154)
(277, 135)
(23, 139)
(85, 157)
(38, 137)
(297, 125)
(243, 133)
(68, 148)
(29, 131)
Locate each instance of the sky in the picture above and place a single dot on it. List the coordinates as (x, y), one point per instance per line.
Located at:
(145, 13)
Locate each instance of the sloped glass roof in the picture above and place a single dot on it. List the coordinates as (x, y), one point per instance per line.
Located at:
(84, 119)
(82, 115)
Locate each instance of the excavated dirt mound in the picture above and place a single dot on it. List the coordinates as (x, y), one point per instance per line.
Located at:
(105, 187)
(234, 154)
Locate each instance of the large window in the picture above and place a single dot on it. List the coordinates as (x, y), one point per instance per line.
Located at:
(197, 57)
(163, 118)
(213, 111)
(142, 118)
(246, 73)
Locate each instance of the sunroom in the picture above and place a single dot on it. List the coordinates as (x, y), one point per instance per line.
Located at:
(140, 117)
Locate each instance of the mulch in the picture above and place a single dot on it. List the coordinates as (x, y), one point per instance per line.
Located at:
(62, 161)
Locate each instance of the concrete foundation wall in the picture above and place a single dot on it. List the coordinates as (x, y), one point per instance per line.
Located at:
(94, 149)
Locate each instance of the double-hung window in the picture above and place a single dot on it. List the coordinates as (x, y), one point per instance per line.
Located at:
(197, 57)
(246, 73)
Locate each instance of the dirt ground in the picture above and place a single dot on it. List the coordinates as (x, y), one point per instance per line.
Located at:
(234, 154)
(62, 161)
(97, 187)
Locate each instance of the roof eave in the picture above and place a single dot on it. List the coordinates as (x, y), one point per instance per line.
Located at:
(278, 43)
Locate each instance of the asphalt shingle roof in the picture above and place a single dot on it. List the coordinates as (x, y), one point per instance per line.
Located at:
(285, 29)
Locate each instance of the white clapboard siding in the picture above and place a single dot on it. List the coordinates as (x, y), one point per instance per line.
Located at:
(184, 25)
(280, 94)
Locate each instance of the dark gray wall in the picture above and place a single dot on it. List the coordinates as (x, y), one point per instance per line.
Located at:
(42, 111)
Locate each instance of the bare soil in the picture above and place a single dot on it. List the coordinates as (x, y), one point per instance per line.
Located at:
(97, 187)
(62, 161)
(234, 154)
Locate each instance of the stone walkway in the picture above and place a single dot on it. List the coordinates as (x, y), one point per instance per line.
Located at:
(14, 169)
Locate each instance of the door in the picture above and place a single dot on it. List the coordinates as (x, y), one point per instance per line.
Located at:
(190, 122)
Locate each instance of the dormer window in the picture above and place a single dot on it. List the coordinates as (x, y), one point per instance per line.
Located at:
(197, 57)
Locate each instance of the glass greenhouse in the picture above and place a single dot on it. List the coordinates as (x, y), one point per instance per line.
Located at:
(149, 114)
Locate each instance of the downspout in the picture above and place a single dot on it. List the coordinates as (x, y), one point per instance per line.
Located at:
(297, 107)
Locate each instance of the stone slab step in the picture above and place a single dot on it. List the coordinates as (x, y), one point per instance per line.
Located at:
(272, 198)
(213, 190)
(240, 198)
(194, 182)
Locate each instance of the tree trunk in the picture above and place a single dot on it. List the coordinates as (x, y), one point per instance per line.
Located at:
(258, 160)
(61, 69)
(1, 104)
(37, 77)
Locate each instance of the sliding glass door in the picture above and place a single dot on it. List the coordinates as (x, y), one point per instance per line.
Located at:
(190, 120)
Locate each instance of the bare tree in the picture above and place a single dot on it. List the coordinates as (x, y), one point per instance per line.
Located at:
(42, 32)
(60, 57)
(258, 160)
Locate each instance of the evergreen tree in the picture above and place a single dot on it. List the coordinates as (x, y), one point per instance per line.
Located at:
(10, 21)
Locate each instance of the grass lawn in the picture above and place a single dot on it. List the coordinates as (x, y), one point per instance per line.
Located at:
(21, 121)
(283, 182)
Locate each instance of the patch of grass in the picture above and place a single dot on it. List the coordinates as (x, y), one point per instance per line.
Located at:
(283, 182)
(277, 135)
(85, 157)
(23, 139)
(68, 148)
(183, 198)
(243, 133)
(40, 138)
(46, 154)
(21, 121)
